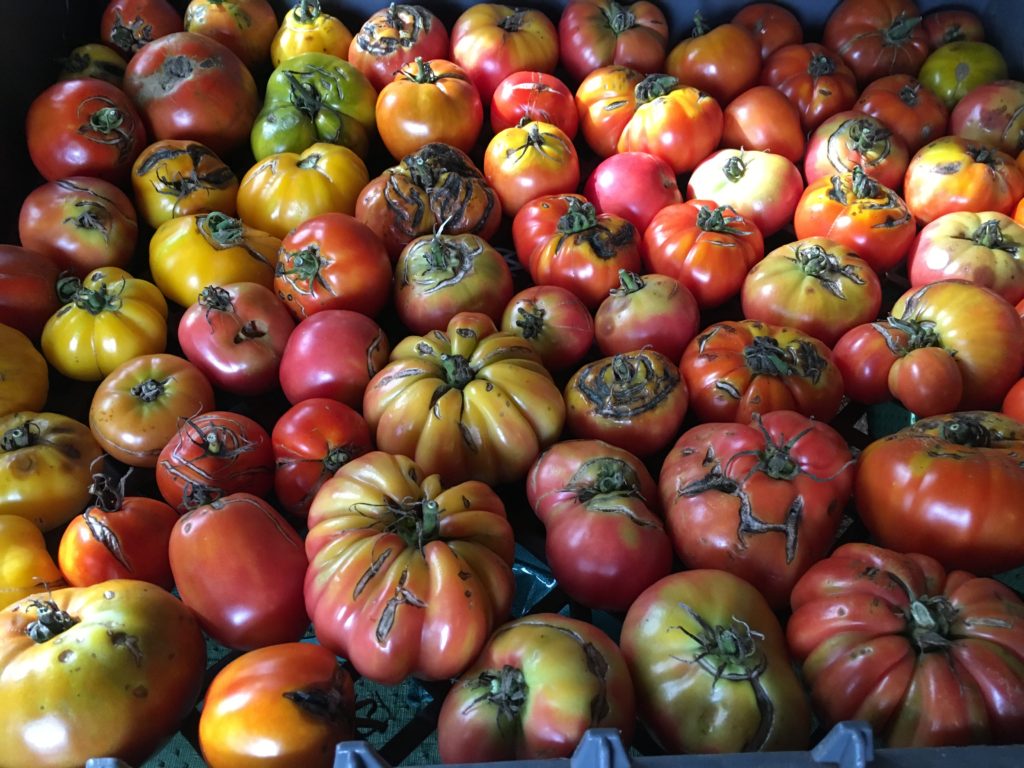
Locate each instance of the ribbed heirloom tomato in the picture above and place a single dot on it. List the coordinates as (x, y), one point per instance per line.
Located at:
(394, 36)
(596, 33)
(878, 37)
(724, 61)
(850, 139)
(179, 177)
(812, 77)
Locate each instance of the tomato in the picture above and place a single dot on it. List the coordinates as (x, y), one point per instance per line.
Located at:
(633, 185)
(539, 684)
(136, 409)
(566, 243)
(992, 114)
(865, 355)
(491, 41)
(233, 540)
(955, 69)
(723, 61)
(189, 86)
(24, 377)
(113, 668)
(654, 311)
(93, 60)
(735, 369)
(332, 261)
(708, 248)
(128, 25)
(109, 318)
(597, 33)
(429, 101)
(80, 223)
(188, 253)
(983, 248)
(84, 127)
(236, 335)
(927, 381)
(927, 658)
(953, 174)
(762, 118)
(312, 440)
(435, 185)
(1013, 403)
(441, 275)
(246, 27)
(537, 96)
(283, 190)
(333, 354)
(729, 490)
(406, 576)
(293, 700)
(634, 400)
(118, 537)
(814, 285)
(393, 37)
(952, 25)
(812, 77)
(605, 539)
(529, 161)
(606, 100)
(855, 211)
(877, 37)
(706, 643)
(26, 567)
(179, 178)
(905, 107)
(851, 139)
(762, 187)
(772, 25)
(27, 295)
(306, 28)
(557, 323)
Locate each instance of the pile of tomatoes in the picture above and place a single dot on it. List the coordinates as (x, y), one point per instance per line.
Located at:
(301, 384)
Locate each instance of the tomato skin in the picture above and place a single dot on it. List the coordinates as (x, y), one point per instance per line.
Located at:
(393, 37)
(955, 69)
(708, 248)
(849, 139)
(927, 381)
(93, 60)
(772, 25)
(992, 114)
(1013, 403)
(246, 27)
(654, 311)
(84, 127)
(762, 118)
(877, 37)
(529, 161)
(27, 295)
(267, 607)
(26, 567)
(136, 409)
(633, 185)
(128, 25)
(312, 440)
(814, 78)
(723, 61)
(308, 29)
(537, 96)
(554, 320)
(174, 178)
(605, 538)
(606, 101)
(140, 687)
(758, 705)
(729, 490)
(80, 223)
(558, 676)
(859, 627)
(951, 26)
(906, 107)
(864, 355)
(294, 699)
(24, 377)
(597, 33)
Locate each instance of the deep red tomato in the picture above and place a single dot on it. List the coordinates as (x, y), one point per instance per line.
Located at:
(772, 25)
(724, 61)
(927, 381)
(878, 37)
(557, 323)
(812, 77)
(127, 25)
(762, 118)
(236, 335)
(907, 108)
(312, 440)
(864, 355)
(633, 185)
(394, 36)
(850, 139)
(708, 248)
(951, 26)
(992, 114)
(242, 541)
(213, 455)
(605, 539)
(528, 161)
(596, 33)
(538, 97)
(1013, 403)
(189, 86)
(332, 261)
(729, 490)
(84, 127)
(28, 296)
(652, 311)
(333, 354)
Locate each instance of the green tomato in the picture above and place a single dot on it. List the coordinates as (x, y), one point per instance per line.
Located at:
(954, 69)
(282, 128)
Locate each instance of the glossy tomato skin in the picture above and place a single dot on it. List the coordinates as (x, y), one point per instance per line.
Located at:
(28, 567)
(605, 538)
(992, 114)
(554, 320)
(1013, 403)
(597, 33)
(633, 185)
(927, 381)
(955, 69)
(247, 27)
(189, 86)
(526, 162)
(266, 607)
(878, 37)
(84, 127)
(27, 289)
(393, 37)
(762, 118)
(951, 26)
(707, 641)
(921, 654)
(555, 677)
(762, 501)
(294, 699)
(814, 78)
(864, 355)
(138, 662)
(655, 311)
(537, 96)
(906, 107)
(128, 25)
(406, 542)
(606, 101)
(772, 25)
(24, 377)
(307, 28)
(723, 61)
(174, 178)
(849, 139)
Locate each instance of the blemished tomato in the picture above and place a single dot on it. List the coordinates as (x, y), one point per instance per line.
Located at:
(294, 700)
(772, 25)
(955, 69)
(554, 320)
(992, 114)
(127, 25)
(605, 101)
(952, 25)
(26, 567)
(654, 311)
(528, 161)
(864, 355)
(93, 60)
(175, 178)
(537, 96)
(597, 33)
(27, 289)
(812, 77)
(853, 139)
(927, 381)
(394, 36)
(877, 37)
(762, 118)
(723, 61)
(905, 107)
(246, 27)
(232, 540)
(306, 28)
(633, 185)
(24, 377)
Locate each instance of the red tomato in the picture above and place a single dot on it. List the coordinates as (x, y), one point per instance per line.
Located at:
(952, 26)
(127, 25)
(724, 61)
(907, 108)
(557, 323)
(993, 114)
(633, 185)
(927, 381)
(597, 33)
(773, 26)
(312, 440)
(394, 36)
(653, 311)
(1013, 403)
(242, 541)
(813, 78)
(28, 296)
(762, 118)
(537, 96)
(878, 37)
(528, 161)
(850, 139)
(864, 355)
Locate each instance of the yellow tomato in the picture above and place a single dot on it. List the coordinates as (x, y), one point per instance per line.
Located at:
(25, 566)
(24, 379)
(175, 177)
(306, 29)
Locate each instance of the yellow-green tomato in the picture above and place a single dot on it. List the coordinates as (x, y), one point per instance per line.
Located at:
(955, 69)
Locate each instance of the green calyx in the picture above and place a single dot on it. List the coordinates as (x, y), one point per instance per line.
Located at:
(307, 11)
(221, 230)
(580, 216)
(619, 19)
(629, 282)
(106, 120)
(50, 621)
(417, 522)
(22, 436)
(901, 28)
(729, 652)
(717, 220)
(654, 86)
(734, 168)
(457, 371)
(989, 235)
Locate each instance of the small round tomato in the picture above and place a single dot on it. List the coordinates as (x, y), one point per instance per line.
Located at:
(394, 36)
(865, 354)
(178, 178)
(772, 25)
(538, 97)
(877, 37)
(850, 139)
(246, 27)
(633, 185)
(992, 114)
(905, 107)
(652, 311)
(27, 295)
(955, 69)
(762, 118)
(127, 25)
(812, 77)
(24, 377)
(306, 28)
(723, 61)
(597, 33)
(927, 381)
(529, 161)
(951, 26)
(1013, 403)
(554, 320)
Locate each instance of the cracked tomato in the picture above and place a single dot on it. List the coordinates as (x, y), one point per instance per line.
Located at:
(175, 178)
(530, 160)
(393, 37)
(852, 139)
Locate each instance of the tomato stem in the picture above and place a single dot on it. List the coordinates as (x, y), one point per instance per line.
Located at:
(580, 216)
(514, 22)
(929, 620)
(920, 333)
(338, 456)
(821, 65)
(457, 371)
(717, 221)
(106, 120)
(700, 26)
(734, 168)
(531, 321)
(900, 29)
(989, 235)
(50, 621)
(866, 134)
(654, 86)
(729, 653)
(982, 154)
(22, 436)
(506, 690)
(303, 264)
(629, 282)
(323, 704)
(68, 287)
(221, 230)
(307, 11)
(215, 299)
(619, 19)
(824, 266)
(149, 390)
(92, 300)
(94, 217)
(604, 476)
(967, 431)
(108, 494)
(864, 187)
(910, 93)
